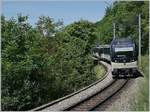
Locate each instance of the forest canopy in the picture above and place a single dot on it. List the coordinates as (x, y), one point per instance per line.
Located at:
(40, 63)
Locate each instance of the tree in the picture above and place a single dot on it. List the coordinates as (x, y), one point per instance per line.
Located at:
(35, 70)
(47, 26)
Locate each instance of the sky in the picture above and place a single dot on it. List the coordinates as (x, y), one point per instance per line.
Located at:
(68, 11)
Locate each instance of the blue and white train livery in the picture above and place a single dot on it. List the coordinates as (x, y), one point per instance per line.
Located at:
(124, 56)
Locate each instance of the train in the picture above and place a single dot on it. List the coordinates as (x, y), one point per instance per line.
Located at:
(124, 57)
(122, 54)
(101, 52)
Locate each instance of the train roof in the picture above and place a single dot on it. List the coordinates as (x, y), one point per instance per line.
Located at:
(105, 46)
(122, 41)
(102, 46)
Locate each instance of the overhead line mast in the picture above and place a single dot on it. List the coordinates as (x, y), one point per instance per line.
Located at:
(114, 30)
(139, 40)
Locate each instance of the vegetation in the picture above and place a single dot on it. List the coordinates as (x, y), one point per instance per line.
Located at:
(49, 61)
(141, 103)
(44, 63)
(100, 71)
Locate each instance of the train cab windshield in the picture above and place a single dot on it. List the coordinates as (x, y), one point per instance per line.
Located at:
(123, 49)
(124, 52)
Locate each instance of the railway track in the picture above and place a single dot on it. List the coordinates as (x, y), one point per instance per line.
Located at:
(89, 97)
(92, 102)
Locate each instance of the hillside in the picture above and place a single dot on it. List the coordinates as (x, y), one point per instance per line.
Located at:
(125, 15)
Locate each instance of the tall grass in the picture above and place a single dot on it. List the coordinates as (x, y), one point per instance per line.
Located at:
(142, 102)
(99, 71)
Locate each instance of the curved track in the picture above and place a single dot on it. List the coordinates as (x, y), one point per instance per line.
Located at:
(92, 102)
(89, 97)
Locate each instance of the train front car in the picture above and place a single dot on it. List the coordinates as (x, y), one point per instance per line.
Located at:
(124, 58)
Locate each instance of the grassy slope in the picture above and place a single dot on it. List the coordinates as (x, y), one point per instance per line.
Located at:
(99, 71)
(142, 97)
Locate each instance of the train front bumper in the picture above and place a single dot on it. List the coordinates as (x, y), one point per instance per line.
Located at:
(123, 65)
